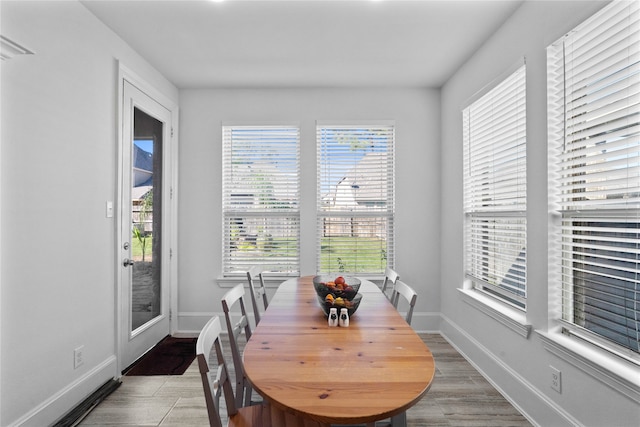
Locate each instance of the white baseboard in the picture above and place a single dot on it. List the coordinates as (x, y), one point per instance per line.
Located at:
(530, 401)
(427, 322)
(192, 322)
(58, 405)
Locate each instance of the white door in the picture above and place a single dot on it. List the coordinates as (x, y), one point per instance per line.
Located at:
(145, 209)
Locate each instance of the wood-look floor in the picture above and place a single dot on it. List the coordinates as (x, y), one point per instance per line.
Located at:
(459, 396)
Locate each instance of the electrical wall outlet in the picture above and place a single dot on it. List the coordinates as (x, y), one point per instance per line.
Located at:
(78, 357)
(556, 379)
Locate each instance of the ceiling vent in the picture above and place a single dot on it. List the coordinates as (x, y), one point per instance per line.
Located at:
(9, 49)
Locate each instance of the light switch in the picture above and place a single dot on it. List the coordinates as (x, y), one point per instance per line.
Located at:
(109, 209)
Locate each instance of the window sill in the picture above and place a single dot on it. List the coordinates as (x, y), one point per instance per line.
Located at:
(508, 316)
(618, 374)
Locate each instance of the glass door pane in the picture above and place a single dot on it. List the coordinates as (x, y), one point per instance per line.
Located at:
(146, 218)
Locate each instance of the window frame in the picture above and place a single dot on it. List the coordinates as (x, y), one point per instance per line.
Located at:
(493, 212)
(376, 212)
(565, 207)
(288, 216)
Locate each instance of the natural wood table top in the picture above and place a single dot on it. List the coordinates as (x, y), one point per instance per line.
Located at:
(376, 368)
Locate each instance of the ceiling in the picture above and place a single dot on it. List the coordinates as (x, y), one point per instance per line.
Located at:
(304, 43)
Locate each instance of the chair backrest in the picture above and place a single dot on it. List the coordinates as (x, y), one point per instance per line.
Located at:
(390, 278)
(402, 289)
(258, 290)
(209, 339)
(235, 298)
(261, 415)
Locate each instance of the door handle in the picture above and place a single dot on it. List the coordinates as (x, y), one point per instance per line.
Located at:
(127, 262)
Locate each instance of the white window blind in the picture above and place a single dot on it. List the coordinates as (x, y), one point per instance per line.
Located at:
(594, 164)
(261, 215)
(494, 135)
(355, 198)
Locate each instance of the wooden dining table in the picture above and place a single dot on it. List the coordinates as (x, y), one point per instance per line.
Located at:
(374, 369)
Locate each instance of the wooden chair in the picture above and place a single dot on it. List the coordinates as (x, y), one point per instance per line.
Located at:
(258, 290)
(262, 415)
(390, 278)
(235, 298)
(407, 292)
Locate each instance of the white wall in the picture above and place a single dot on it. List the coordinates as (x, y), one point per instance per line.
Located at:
(517, 365)
(58, 170)
(416, 114)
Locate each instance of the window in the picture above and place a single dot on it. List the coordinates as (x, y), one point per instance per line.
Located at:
(594, 165)
(494, 136)
(355, 198)
(261, 215)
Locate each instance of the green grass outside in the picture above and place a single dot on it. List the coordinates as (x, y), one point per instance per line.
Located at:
(368, 256)
(353, 255)
(358, 255)
(136, 248)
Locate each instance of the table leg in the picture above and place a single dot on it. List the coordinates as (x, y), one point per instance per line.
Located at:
(399, 420)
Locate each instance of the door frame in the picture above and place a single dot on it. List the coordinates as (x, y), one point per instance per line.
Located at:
(171, 231)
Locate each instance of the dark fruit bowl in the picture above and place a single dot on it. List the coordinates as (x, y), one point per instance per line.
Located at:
(351, 305)
(320, 283)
